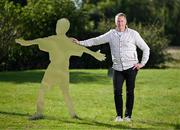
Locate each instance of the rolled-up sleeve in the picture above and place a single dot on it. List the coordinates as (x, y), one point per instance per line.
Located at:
(105, 38)
(144, 47)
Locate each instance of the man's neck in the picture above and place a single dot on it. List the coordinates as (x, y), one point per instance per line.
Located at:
(120, 30)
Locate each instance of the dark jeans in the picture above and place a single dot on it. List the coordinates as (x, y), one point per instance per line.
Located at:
(118, 78)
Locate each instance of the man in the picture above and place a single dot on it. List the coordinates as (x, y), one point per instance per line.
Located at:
(123, 42)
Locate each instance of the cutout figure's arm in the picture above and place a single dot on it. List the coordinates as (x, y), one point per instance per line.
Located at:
(41, 42)
(33, 42)
(99, 56)
(79, 50)
(24, 42)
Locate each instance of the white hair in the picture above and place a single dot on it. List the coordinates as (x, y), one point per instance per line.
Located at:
(120, 15)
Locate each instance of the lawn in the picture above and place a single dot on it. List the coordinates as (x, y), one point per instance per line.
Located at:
(157, 101)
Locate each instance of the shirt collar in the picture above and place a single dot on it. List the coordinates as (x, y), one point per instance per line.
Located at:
(126, 29)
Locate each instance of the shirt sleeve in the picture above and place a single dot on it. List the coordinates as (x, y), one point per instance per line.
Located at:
(105, 38)
(141, 44)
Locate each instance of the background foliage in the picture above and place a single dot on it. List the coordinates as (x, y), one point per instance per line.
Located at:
(157, 21)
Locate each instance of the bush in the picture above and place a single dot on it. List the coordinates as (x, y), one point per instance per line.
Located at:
(156, 40)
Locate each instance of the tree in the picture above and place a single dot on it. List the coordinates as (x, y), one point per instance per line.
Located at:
(9, 24)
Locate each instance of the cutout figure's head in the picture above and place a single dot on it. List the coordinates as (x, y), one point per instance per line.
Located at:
(62, 26)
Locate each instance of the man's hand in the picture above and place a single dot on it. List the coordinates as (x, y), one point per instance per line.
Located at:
(75, 40)
(99, 56)
(22, 42)
(137, 66)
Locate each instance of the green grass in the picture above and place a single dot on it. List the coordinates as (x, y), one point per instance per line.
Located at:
(157, 101)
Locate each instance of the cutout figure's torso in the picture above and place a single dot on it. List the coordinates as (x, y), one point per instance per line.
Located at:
(60, 48)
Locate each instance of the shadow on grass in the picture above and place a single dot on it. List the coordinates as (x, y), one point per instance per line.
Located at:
(92, 122)
(36, 77)
(160, 123)
(14, 113)
(78, 120)
(117, 125)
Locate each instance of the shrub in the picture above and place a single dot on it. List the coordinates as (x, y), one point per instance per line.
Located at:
(156, 40)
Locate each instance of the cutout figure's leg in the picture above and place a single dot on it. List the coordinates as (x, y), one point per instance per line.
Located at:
(40, 104)
(65, 91)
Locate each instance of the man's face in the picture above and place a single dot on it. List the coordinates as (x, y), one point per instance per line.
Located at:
(121, 23)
